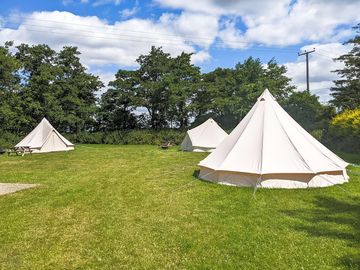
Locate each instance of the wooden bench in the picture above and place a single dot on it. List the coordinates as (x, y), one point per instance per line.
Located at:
(165, 145)
(19, 151)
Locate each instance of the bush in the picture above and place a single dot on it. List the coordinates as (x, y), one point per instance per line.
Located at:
(128, 137)
(114, 137)
(344, 131)
(317, 134)
(9, 139)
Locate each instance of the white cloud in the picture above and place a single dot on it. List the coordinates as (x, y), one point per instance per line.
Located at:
(106, 2)
(66, 2)
(231, 36)
(280, 23)
(307, 21)
(128, 12)
(259, 9)
(121, 43)
(321, 65)
(199, 29)
(200, 57)
(2, 21)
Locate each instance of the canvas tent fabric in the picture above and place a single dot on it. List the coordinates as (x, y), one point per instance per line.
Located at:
(45, 138)
(270, 149)
(203, 138)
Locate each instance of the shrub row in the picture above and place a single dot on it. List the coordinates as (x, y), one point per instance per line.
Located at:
(333, 141)
(128, 137)
(116, 137)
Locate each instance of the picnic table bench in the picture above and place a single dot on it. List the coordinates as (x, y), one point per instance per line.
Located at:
(19, 151)
(165, 145)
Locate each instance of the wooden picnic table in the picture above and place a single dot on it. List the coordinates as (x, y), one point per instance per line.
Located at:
(19, 151)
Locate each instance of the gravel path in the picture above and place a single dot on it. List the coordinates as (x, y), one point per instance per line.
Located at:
(6, 188)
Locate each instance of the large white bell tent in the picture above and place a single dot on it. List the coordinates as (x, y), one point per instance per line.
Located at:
(45, 138)
(270, 149)
(203, 138)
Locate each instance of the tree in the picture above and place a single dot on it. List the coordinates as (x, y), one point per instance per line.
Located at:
(10, 104)
(276, 81)
(37, 77)
(118, 103)
(228, 94)
(217, 97)
(153, 89)
(344, 131)
(306, 109)
(75, 89)
(164, 85)
(56, 86)
(346, 92)
(183, 81)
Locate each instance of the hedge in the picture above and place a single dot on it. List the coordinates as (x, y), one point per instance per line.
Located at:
(344, 131)
(128, 137)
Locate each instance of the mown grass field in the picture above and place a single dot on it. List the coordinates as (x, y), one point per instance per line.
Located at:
(139, 207)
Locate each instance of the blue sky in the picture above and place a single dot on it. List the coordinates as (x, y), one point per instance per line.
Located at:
(112, 33)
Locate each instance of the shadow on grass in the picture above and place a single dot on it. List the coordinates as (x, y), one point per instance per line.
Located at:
(335, 219)
(196, 173)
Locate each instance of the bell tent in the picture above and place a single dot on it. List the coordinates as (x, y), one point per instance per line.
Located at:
(45, 138)
(203, 138)
(270, 149)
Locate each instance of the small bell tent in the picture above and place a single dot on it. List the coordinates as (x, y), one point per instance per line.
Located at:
(270, 149)
(45, 138)
(203, 138)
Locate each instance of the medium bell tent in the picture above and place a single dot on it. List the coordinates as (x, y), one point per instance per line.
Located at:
(203, 138)
(270, 149)
(45, 138)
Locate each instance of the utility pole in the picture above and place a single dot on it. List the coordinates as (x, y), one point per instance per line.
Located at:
(306, 53)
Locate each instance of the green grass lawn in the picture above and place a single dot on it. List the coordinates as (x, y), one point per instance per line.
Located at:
(112, 207)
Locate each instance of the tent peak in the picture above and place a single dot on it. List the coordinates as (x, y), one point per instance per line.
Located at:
(266, 95)
(45, 120)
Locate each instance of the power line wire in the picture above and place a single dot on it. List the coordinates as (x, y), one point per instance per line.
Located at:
(107, 26)
(118, 37)
(223, 41)
(328, 52)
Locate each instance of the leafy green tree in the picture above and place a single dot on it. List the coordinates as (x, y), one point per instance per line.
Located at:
(228, 94)
(276, 81)
(10, 103)
(216, 97)
(118, 103)
(153, 89)
(163, 85)
(37, 77)
(56, 86)
(183, 81)
(346, 92)
(9, 79)
(75, 91)
(306, 109)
